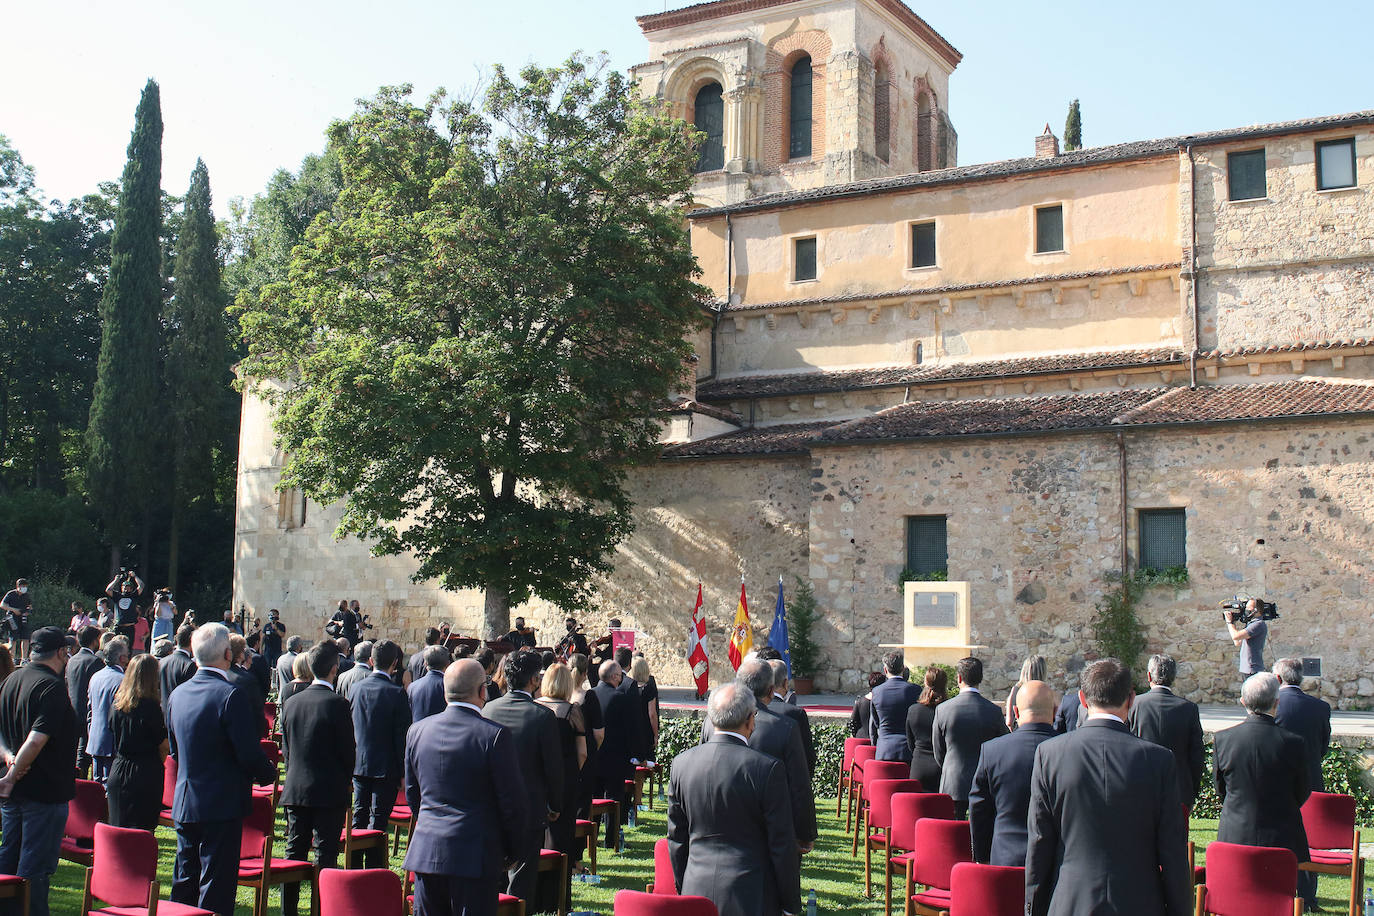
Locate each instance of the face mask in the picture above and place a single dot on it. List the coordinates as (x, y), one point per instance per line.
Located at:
(24, 590)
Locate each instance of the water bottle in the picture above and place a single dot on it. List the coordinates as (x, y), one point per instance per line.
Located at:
(1369, 901)
(587, 878)
(634, 815)
(811, 903)
(620, 841)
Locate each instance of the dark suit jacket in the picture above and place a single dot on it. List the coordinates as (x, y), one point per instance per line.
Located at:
(778, 737)
(730, 831)
(1066, 716)
(463, 783)
(1105, 830)
(1261, 777)
(534, 730)
(962, 724)
(1306, 716)
(799, 718)
(1169, 720)
(214, 739)
(381, 717)
(318, 745)
(173, 671)
(80, 669)
(244, 680)
(861, 718)
(620, 716)
(1000, 796)
(892, 700)
(426, 695)
(261, 671)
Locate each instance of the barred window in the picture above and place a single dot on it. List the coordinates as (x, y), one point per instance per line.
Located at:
(927, 546)
(1245, 175)
(1163, 538)
(1049, 229)
(799, 111)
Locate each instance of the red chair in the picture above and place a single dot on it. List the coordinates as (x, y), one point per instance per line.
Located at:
(1249, 881)
(633, 903)
(871, 771)
(86, 810)
(940, 846)
(169, 790)
(1333, 841)
(506, 905)
(269, 710)
(664, 880)
(17, 888)
(862, 752)
(555, 861)
(402, 818)
(355, 841)
(363, 892)
(257, 868)
(878, 820)
(607, 810)
(843, 784)
(987, 890)
(907, 809)
(589, 831)
(273, 753)
(124, 877)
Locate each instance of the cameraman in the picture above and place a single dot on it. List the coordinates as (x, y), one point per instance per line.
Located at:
(164, 615)
(124, 589)
(1250, 638)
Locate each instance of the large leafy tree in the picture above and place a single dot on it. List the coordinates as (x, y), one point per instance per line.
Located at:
(122, 453)
(474, 342)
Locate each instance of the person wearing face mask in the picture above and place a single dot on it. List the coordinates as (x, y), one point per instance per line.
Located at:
(16, 606)
(164, 615)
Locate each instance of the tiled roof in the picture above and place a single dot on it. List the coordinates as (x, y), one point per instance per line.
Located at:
(1100, 155)
(1304, 346)
(761, 386)
(789, 439)
(1296, 398)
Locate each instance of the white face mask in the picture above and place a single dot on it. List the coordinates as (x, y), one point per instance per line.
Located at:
(23, 589)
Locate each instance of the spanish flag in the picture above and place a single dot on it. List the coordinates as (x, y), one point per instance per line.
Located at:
(741, 634)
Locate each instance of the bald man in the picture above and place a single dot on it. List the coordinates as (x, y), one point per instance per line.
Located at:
(463, 782)
(1000, 796)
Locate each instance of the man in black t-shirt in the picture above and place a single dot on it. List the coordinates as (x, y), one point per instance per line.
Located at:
(273, 632)
(124, 589)
(38, 742)
(16, 606)
(344, 623)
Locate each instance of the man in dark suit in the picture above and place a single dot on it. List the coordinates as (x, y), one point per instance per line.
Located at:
(381, 716)
(177, 668)
(892, 700)
(416, 666)
(257, 665)
(1304, 715)
(360, 670)
(1167, 719)
(730, 831)
(427, 694)
(534, 732)
(1000, 796)
(318, 746)
(214, 740)
(243, 679)
(620, 719)
(1105, 803)
(1261, 775)
(962, 725)
(779, 705)
(641, 746)
(80, 669)
(1067, 716)
(463, 783)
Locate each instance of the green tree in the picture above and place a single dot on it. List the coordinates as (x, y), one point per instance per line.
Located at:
(474, 343)
(198, 377)
(120, 469)
(1073, 128)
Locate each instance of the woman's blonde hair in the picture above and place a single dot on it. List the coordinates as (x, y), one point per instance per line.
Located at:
(300, 668)
(140, 683)
(557, 683)
(639, 670)
(1033, 668)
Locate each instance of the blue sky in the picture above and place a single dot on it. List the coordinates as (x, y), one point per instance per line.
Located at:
(251, 85)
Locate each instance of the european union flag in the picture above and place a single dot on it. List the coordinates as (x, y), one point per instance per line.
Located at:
(777, 635)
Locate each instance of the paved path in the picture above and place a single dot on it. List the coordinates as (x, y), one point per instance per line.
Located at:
(1358, 725)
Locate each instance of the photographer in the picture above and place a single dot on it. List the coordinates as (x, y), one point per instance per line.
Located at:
(16, 606)
(124, 589)
(164, 615)
(273, 632)
(1249, 630)
(345, 623)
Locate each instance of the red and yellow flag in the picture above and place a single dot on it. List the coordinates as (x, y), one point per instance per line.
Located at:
(741, 634)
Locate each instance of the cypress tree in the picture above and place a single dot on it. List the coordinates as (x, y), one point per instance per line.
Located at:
(1073, 128)
(197, 361)
(125, 410)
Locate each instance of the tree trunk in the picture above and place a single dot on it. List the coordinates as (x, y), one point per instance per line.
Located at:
(116, 554)
(174, 544)
(496, 614)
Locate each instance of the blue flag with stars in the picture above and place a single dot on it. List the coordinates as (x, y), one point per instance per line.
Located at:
(777, 635)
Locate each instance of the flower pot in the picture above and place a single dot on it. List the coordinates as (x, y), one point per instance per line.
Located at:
(803, 685)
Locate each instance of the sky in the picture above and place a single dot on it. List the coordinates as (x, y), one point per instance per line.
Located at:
(250, 86)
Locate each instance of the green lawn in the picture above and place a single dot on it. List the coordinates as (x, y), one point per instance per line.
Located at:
(829, 870)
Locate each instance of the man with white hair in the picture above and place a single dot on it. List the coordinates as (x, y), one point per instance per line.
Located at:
(1261, 775)
(1171, 721)
(730, 835)
(101, 744)
(361, 668)
(214, 738)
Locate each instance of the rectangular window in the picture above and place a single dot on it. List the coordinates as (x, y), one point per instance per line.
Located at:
(1163, 537)
(1049, 229)
(927, 548)
(1245, 175)
(1336, 164)
(804, 259)
(923, 244)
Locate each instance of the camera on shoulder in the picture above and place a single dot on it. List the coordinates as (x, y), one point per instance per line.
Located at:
(1239, 609)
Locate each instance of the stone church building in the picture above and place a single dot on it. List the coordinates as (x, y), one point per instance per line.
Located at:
(1027, 375)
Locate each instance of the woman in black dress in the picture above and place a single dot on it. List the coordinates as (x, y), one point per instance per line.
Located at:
(140, 738)
(593, 730)
(861, 716)
(555, 693)
(920, 723)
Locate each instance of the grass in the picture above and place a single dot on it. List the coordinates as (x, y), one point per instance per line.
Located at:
(836, 878)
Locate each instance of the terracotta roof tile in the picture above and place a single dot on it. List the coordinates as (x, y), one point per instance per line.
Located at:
(1302, 346)
(1296, 398)
(788, 439)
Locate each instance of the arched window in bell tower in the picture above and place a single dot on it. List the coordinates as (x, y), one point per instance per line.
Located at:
(882, 113)
(709, 118)
(799, 110)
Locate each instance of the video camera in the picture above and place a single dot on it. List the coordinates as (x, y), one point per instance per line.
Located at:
(1238, 610)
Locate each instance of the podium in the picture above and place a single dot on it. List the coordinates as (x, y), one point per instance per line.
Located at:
(935, 623)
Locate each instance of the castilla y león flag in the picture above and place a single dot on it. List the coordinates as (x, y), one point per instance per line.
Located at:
(741, 634)
(696, 648)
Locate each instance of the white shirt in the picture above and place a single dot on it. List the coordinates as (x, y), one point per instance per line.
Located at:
(472, 706)
(733, 735)
(971, 690)
(1105, 715)
(220, 671)
(382, 674)
(322, 681)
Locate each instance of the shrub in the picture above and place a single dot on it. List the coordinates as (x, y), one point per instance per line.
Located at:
(802, 618)
(677, 733)
(52, 600)
(1340, 769)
